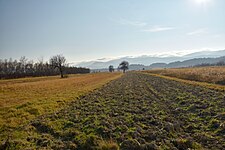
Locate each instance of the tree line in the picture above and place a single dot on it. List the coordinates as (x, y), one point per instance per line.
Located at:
(23, 67)
(220, 63)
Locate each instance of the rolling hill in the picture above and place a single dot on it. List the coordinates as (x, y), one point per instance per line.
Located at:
(148, 60)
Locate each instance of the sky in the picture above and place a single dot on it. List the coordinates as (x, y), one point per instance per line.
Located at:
(85, 30)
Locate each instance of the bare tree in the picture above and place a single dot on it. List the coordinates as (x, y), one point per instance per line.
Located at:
(111, 68)
(59, 62)
(124, 65)
(10, 68)
(23, 62)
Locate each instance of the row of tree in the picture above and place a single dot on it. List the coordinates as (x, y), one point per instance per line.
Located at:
(23, 67)
(220, 63)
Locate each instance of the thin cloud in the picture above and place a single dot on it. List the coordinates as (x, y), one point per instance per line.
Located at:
(132, 23)
(198, 32)
(217, 36)
(158, 29)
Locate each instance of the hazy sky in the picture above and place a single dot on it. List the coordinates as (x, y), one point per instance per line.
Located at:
(91, 29)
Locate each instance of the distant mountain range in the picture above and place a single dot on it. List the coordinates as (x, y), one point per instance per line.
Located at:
(160, 61)
(188, 63)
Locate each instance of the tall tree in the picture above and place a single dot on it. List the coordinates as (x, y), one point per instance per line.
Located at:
(59, 62)
(111, 68)
(124, 65)
(23, 61)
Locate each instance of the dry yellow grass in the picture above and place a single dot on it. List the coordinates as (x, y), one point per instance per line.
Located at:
(204, 84)
(23, 99)
(214, 75)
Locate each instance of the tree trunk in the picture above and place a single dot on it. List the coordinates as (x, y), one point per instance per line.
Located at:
(61, 73)
(123, 70)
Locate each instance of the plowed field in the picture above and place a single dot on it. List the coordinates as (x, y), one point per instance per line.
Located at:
(136, 111)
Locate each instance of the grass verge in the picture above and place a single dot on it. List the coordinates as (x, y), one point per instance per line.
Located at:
(215, 74)
(203, 84)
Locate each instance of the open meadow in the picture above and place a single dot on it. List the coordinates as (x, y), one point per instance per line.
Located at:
(137, 111)
(21, 100)
(214, 74)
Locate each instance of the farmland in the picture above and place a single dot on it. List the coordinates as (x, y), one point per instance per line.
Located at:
(215, 75)
(135, 111)
(21, 100)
